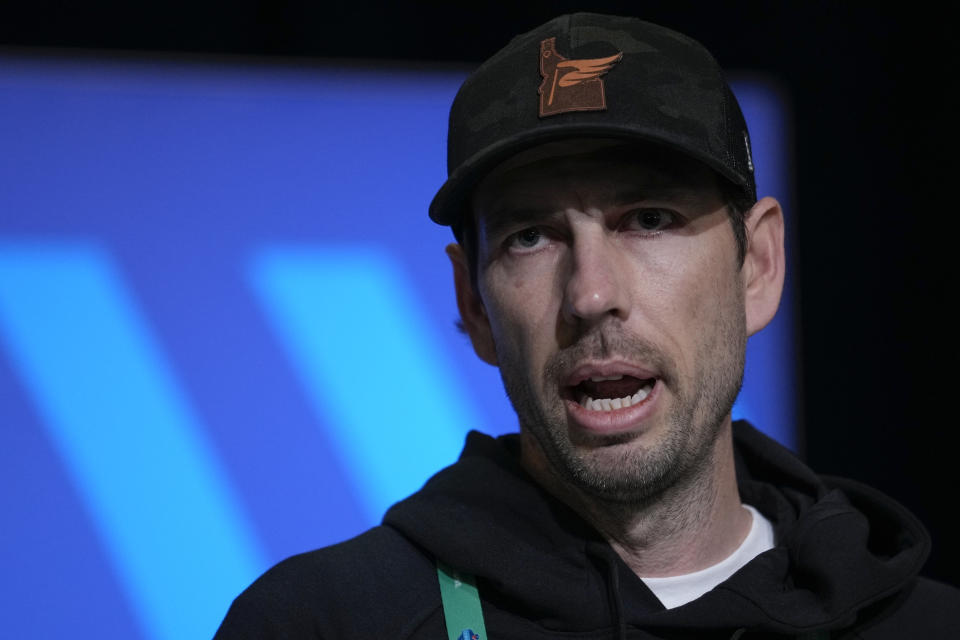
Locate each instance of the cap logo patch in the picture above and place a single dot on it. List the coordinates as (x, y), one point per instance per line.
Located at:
(571, 85)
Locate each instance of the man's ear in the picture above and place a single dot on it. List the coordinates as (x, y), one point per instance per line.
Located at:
(473, 315)
(764, 264)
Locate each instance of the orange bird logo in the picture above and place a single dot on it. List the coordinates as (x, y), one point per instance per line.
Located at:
(571, 85)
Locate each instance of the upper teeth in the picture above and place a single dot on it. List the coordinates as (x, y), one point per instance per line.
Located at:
(604, 378)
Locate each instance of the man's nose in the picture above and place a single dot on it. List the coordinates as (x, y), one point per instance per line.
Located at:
(596, 282)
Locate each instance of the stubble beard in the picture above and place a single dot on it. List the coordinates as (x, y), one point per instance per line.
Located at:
(608, 468)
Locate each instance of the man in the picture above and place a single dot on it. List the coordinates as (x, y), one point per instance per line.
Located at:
(612, 259)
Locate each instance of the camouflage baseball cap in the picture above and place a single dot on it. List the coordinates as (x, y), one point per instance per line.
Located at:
(598, 76)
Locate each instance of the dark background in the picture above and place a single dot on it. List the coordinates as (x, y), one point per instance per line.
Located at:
(873, 96)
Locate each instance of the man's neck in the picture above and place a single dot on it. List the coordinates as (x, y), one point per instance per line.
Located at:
(691, 525)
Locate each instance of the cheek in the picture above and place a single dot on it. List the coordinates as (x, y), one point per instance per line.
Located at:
(717, 320)
(682, 280)
(692, 294)
(522, 310)
(710, 287)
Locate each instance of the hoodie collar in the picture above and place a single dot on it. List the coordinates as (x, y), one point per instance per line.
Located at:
(840, 546)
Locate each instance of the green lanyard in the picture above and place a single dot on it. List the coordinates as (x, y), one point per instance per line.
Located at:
(461, 604)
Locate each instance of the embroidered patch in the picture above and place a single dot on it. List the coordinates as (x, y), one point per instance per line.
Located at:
(571, 85)
(468, 634)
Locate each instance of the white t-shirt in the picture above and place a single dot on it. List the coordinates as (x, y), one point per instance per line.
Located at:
(677, 590)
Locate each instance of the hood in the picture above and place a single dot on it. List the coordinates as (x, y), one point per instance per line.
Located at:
(841, 546)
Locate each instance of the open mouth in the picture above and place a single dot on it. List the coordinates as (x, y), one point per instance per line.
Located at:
(609, 393)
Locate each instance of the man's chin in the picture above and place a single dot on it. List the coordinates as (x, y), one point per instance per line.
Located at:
(613, 466)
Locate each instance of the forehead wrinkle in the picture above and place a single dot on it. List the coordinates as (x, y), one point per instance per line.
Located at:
(671, 193)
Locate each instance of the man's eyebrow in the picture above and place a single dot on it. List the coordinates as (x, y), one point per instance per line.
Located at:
(506, 217)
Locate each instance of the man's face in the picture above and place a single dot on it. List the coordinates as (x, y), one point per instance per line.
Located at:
(612, 295)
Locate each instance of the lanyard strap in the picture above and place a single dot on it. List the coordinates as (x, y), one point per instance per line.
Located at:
(461, 604)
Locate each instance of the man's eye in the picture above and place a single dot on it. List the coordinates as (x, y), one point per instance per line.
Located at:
(651, 219)
(526, 239)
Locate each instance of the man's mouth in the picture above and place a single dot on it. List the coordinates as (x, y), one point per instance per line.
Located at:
(609, 393)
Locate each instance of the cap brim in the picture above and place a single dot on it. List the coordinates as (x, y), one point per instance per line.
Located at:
(447, 207)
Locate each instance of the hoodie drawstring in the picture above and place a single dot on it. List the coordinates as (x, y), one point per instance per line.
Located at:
(609, 558)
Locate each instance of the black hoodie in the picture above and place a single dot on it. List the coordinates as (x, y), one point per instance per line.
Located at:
(845, 563)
